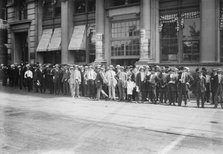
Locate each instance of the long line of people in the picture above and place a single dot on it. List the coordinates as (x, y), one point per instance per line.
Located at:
(154, 84)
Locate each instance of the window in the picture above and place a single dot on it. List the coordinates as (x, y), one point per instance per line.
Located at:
(91, 37)
(83, 6)
(221, 30)
(180, 31)
(124, 2)
(191, 37)
(10, 2)
(51, 8)
(91, 5)
(169, 46)
(57, 8)
(80, 6)
(125, 38)
(20, 10)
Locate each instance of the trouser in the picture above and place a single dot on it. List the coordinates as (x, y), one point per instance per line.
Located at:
(65, 88)
(207, 93)
(99, 88)
(29, 83)
(20, 82)
(91, 88)
(163, 94)
(4, 81)
(218, 98)
(111, 92)
(56, 87)
(143, 92)
(38, 87)
(122, 91)
(85, 93)
(200, 96)
(74, 89)
(129, 98)
(182, 94)
(172, 93)
(152, 93)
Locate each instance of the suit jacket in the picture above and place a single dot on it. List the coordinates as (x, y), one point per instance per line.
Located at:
(214, 83)
(98, 80)
(200, 85)
(140, 83)
(75, 76)
(110, 77)
(66, 76)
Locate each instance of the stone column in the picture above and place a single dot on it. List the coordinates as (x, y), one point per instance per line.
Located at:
(32, 33)
(66, 30)
(145, 33)
(208, 43)
(100, 30)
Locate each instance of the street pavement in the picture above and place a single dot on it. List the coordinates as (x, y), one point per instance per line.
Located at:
(47, 124)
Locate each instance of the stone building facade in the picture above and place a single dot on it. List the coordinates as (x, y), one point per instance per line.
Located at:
(124, 32)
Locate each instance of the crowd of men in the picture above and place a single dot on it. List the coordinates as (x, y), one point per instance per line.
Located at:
(154, 84)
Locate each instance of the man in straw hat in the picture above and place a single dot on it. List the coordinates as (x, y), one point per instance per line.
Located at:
(111, 81)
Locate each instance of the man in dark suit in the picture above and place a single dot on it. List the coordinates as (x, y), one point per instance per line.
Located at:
(184, 78)
(65, 81)
(200, 84)
(140, 84)
(214, 84)
(218, 97)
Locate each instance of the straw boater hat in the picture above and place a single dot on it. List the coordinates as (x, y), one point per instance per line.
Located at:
(111, 66)
(118, 66)
(141, 68)
(219, 70)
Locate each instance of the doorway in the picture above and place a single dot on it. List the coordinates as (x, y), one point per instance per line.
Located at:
(21, 47)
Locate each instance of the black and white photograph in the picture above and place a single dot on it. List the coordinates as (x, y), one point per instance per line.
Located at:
(111, 76)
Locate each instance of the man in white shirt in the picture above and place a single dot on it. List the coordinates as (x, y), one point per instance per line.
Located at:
(75, 80)
(28, 77)
(90, 77)
(112, 82)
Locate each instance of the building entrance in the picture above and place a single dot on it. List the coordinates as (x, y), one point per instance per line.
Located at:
(21, 47)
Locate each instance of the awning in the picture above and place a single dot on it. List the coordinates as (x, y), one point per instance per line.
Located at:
(78, 39)
(55, 42)
(44, 41)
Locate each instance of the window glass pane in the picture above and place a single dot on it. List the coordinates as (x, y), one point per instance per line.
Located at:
(169, 46)
(124, 2)
(91, 5)
(221, 32)
(80, 6)
(133, 1)
(118, 2)
(21, 9)
(47, 9)
(58, 8)
(91, 35)
(191, 39)
(128, 32)
(221, 46)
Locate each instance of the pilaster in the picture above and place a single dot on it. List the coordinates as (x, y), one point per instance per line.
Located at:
(208, 45)
(100, 31)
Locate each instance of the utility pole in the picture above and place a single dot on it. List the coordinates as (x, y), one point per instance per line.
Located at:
(3, 33)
